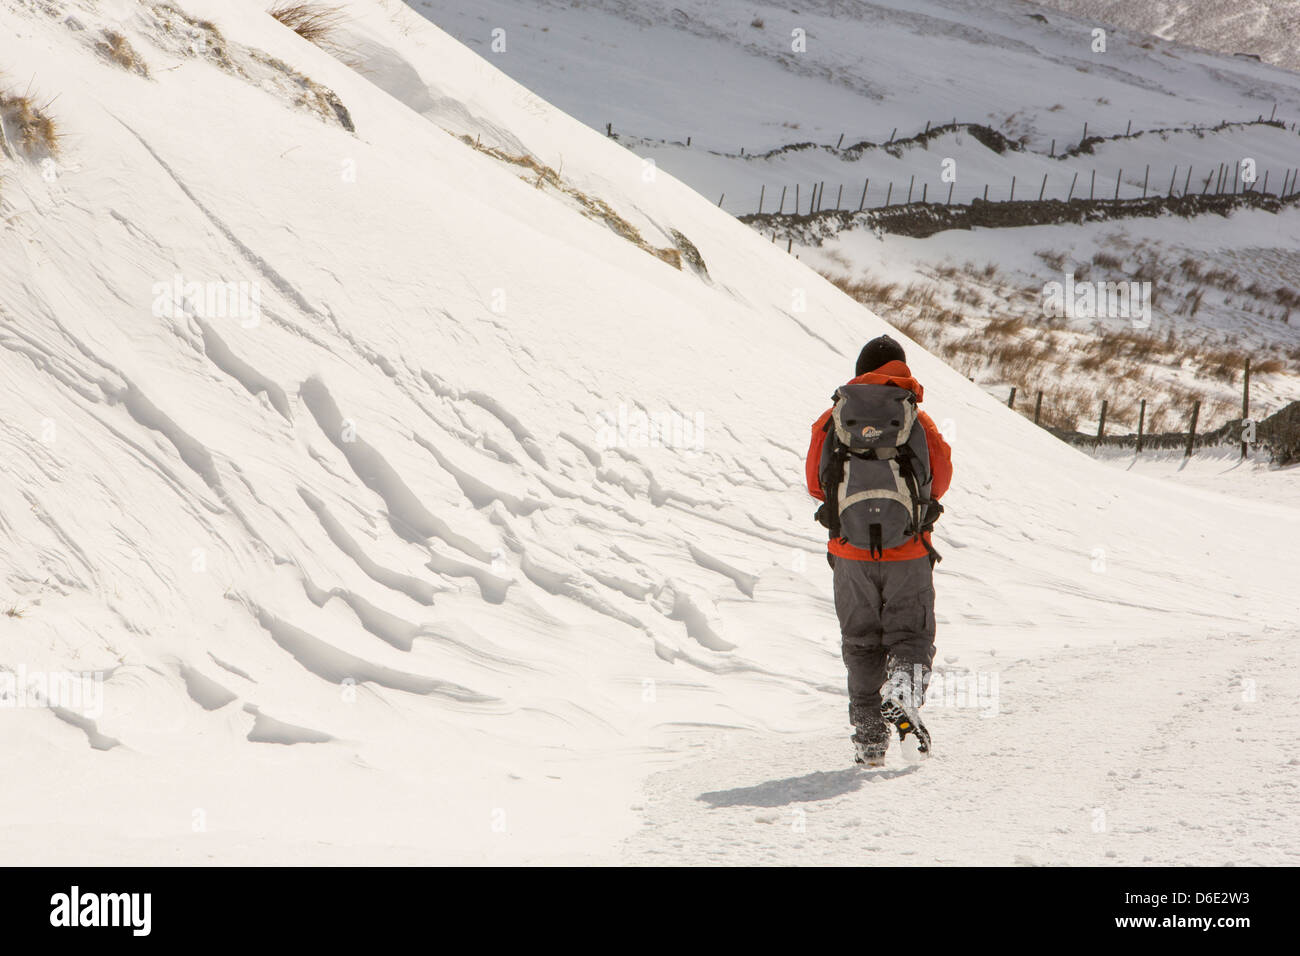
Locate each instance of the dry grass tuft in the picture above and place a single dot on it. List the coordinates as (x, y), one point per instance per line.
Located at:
(314, 22)
(28, 124)
(117, 49)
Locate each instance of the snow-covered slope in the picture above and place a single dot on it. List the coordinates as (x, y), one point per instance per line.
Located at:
(835, 100)
(374, 574)
(864, 68)
(1259, 28)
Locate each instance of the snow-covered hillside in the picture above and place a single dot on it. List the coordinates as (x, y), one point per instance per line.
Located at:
(1257, 28)
(325, 397)
(835, 100)
(864, 68)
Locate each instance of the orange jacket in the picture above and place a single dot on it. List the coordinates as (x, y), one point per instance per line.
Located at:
(891, 373)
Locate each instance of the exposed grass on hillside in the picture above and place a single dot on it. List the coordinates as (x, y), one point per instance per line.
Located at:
(27, 126)
(593, 207)
(116, 48)
(997, 332)
(314, 22)
(193, 37)
(318, 24)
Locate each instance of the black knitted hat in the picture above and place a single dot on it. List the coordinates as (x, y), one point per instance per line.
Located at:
(877, 352)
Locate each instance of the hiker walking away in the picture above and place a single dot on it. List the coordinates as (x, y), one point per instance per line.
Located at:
(880, 466)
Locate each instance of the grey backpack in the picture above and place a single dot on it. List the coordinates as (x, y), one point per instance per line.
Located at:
(875, 469)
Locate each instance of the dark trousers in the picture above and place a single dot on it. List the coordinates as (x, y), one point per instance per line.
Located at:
(886, 612)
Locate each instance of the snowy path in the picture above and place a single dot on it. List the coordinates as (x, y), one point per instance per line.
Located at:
(1127, 755)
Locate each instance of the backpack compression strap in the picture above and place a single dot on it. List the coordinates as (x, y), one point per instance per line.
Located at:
(907, 459)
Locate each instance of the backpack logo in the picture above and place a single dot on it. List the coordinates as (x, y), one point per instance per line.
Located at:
(871, 433)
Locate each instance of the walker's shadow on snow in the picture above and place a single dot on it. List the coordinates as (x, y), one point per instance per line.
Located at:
(811, 787)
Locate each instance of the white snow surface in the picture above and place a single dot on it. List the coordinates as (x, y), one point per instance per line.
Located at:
(1260, 28)
(765, 132)
(365, 587)
(873, 68)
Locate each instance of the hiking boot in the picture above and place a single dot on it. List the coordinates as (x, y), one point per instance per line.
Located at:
(901, 699)
(870, 735)
(913, 738)
(905, 683)
(869, 755)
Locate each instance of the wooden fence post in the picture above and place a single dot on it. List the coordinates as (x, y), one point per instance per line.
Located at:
(1101, 426)
(1052, 152)
(1092, 185)
(1042, 188)
(720, 198)
(863, 201)
(913, 180)
(1142, 419)
(1145, 176)
(1171, 180)
(1072, 182)
(1188, 185)
(1118, 177)
(1245, 404)
(986, 192)
(950, 185)
(925, 189)
(889, 192)
(761, 190)
(839, 195)
(782, 209)
(1013, 189)
(840, 140)
(1191, 432)
(1011, 399)
(1038, 407)
(796, 199)
(1264, 188)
